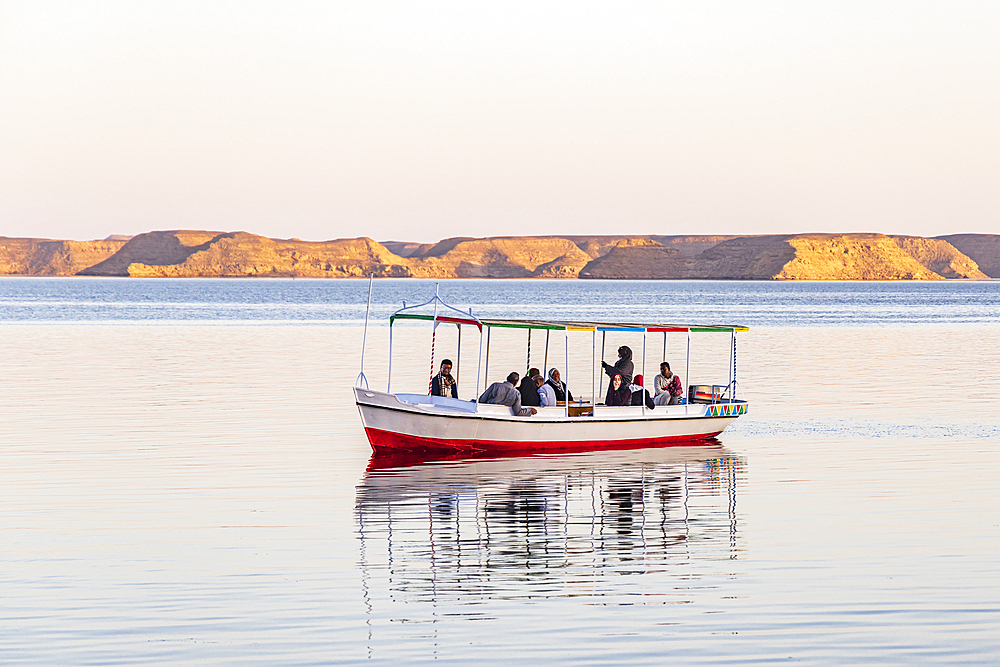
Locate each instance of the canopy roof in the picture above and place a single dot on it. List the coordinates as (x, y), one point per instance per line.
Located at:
(554, 325)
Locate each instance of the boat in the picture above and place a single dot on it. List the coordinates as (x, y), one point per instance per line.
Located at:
(419, 422)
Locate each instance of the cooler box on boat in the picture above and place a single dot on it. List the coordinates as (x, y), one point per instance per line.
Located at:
(706, 393)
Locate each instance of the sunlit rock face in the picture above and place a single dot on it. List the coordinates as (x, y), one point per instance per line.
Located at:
(851, 257)
(940, 256)
(792, 257)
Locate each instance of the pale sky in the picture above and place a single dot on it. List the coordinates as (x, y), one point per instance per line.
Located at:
(423, 120)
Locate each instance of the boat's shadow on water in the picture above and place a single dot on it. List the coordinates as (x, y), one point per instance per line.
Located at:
(473, 529)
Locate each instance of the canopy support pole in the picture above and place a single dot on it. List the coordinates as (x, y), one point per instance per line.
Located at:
(566, 369)
(486, 371)
(732, 371)
(364, 337)
(593, 369)
(643, 392)
(458, 357)
(687, 375)
(479, 367)
(600, 378)
(434, 328)
(732, 389)
(529, 353)
(388, 383)
(545, 359)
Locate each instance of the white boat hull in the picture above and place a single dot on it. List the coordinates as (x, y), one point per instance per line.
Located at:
(414, 422)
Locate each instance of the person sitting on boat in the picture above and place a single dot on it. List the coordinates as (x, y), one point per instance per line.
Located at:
(618, 393)
(639, 393)
(545, 392)
(505, 393)
(667, 387)
(529, 390)
(443, 383)
(558, 386)
(623, 366)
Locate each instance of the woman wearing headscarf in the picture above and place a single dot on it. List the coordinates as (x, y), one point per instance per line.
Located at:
(558, 386)
(618, 393)
(639, 393)
(623, 366)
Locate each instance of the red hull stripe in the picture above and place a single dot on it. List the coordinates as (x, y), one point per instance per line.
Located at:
(398, 442)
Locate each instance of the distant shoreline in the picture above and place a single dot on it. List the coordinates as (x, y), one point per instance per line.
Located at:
(813, 256)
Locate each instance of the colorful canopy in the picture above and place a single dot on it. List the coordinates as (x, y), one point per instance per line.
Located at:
(569, 326)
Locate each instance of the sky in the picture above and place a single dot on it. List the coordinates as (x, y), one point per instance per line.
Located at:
(423, 120)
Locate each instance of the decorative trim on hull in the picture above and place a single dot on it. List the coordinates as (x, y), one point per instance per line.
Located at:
(386, 441)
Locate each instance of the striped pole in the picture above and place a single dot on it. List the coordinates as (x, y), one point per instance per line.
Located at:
(430, 382)
(529, 353)
(434, 328)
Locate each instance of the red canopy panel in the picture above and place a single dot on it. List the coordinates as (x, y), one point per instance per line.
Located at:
(460, 320)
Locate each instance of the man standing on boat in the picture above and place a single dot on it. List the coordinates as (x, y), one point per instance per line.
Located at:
(506, 393)
(623, 366)
(443, 383)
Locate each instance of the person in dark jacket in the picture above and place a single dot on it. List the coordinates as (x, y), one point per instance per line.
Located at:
(558, 386)
(618, 393)
(529, 390)
(639, 393)
(623, 366)
(443, 383)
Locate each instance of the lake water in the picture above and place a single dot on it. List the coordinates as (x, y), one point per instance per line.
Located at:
(184, 479)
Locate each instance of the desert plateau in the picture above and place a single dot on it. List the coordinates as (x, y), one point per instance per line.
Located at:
(814, 256)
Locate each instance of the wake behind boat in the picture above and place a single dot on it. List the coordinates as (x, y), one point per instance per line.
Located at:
(420, 422)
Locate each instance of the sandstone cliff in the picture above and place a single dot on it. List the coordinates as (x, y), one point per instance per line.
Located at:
(851, 257)
(639, 259)
(185, 253)
(791, 257)
(502, 257)
(238, 254)
(158, 248)
(44, 257)
(983, 249)
(688, 245)
(739, 258)
(940, 256)
(745, 258)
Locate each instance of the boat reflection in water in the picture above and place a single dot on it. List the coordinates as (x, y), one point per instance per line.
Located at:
(475, 531)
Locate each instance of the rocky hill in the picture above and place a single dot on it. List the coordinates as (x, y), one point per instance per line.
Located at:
(791, 257)
(185, 253)
(941, 257)
(182, 254)
(983, 249)
(45, 257)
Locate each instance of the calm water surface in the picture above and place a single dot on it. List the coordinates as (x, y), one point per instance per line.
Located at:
(184, 479)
